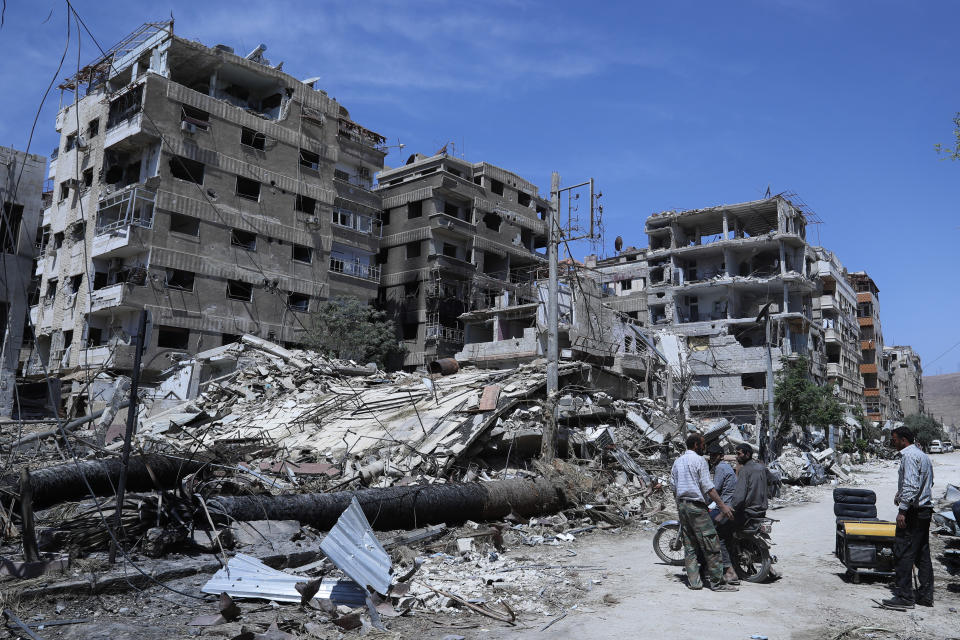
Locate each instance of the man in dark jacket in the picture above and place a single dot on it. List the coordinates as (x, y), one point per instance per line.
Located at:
(750, 495)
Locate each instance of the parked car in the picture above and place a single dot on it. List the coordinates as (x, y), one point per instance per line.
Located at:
(935, 447)
(947, 446)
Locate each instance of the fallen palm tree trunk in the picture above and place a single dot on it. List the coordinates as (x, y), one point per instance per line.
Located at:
(65, 482)
(70, 426)
(404, 507)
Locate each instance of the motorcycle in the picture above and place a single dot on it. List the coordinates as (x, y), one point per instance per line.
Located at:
(750, 555)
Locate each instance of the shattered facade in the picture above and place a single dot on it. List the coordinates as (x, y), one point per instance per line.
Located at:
(212, 189)
(835, 310)
(457, 236)
(623, 280)
(875, 374)
(711, 272)
(21, 187)
(907, 372)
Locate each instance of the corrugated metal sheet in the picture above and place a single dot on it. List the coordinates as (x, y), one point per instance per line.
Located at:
(247, 577)
(352, 546)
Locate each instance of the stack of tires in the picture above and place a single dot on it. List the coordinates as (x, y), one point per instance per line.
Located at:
(854, 504)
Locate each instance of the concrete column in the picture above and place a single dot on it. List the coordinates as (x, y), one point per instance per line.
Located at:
(213, 83)
(783, 258)
(726, 226)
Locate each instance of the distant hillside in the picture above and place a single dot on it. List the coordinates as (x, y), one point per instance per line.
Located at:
(941, 397)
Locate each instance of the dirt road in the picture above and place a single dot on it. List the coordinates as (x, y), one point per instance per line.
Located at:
(811, 601)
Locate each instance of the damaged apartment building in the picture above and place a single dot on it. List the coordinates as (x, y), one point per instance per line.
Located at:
(711, 272)
(835, 310)
(457, 236)
(623, 281)
(907, 374)
(878, 400)
(212, 189)
(21, 186)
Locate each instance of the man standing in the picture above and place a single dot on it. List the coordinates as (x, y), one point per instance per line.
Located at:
(915, 499)
(724, 481)
(692, 485)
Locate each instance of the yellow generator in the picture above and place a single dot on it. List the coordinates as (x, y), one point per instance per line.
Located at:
(864, 543)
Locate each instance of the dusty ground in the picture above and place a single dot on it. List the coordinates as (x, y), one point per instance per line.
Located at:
(625, 593)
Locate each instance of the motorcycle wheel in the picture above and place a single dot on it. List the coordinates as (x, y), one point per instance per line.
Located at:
(668, 545)
(751, 561)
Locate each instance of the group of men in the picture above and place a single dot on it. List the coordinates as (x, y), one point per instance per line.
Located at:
(708, 533)
(742, 495)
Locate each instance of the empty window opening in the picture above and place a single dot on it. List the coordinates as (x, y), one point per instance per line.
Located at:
(238, 290)
(478, 180)
(385, 217)
(309, 160)
(298, 301)
(229, 338)
(172, 337)
(626, 285)
(382, 256)
(248, 189)
(71, 142)
(302, 253)
(186, 225)
(87, 178)
(523, 199)
(58, 240)
(94, 336)
(753, 380)
(93, 128)
(251, 138)
(410, 330)
(414, 250)
(451, 209)
(305, 204)
(415, 209)
(10, 226)
(449, 250)
(497, 187)
(51, 288)
(64, 190)
(492, 221)
(340, 174)
(197, 118)
(75, 283)
(179, 279)
(243, 239)
(186, 169)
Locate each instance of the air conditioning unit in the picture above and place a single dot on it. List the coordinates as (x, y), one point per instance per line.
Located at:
(313, 220)
(188, 127)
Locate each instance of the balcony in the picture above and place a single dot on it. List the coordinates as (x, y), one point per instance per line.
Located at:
(442, 220)
(871, 393)
(111, 298)
(443, 334)
(866, 345)
(865, 322)
(355, 269)
(868, 368)
(118, 212)
(832, 335)
(130, 134)
(108, 356)
(351, 131)
(828, 303)
(358, 222)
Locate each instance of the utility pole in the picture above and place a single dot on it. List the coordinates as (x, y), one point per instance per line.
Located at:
(548, 445)
(766, 439)
(128, 435)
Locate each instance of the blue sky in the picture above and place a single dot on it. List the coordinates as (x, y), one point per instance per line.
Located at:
(668, 105)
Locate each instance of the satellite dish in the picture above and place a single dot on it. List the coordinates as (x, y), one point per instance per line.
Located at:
(618, 244)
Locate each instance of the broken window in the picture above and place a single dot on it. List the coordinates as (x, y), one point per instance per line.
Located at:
(523, 199)
(451, 209)
(251, 138)
(94, 336)
(496, 186)
(186, 169)
(298, 301)
(58, 240)
(409, 330)
(10, 226)
(753, 380)
(309, 160)
(51, 288)
(187, 225)
(194, 118)
(414, 250)
(179, 279)
(64, 190)
(243, 239)
(75, 282)
(173, 337)
(305, 204)
(248, 189)
(239, 290)
(626, 285)
(449, 250)
(340, 174)
(93, 128)
(414, 209)
(125, 106)
(71, 142)
(385, 217)
(382, 256)
(542, 213)
(302, 253)
(87, 179)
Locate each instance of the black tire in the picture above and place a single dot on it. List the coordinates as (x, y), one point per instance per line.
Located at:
(751, 560)
(858, 511)
(845, 499)
(854, 496)
(667, 544)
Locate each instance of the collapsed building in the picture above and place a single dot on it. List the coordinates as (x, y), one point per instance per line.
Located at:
(457, 236)
(623, 280)
(907, 374)
(212, 189)
(21, 187)
(835, 310)
(711, 273)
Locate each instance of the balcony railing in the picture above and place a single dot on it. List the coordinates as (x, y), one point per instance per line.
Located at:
(355, 268)
(447, 334)
(356, 221)
(352, 131)
(131, 206)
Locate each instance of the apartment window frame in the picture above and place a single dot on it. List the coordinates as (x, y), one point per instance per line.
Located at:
(305, 253)
(309, 159)
(239, 290)
(414, 249)
(176, 338)
(246, 240)
(305, 204)
(253, 139)
(185, 169)
(179, 222)
(179, 279)
(298, 302)
(245, 189)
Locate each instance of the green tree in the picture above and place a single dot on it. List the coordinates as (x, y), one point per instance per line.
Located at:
(348, 329)
(924, 428)
(951, 152)
(799, 401)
